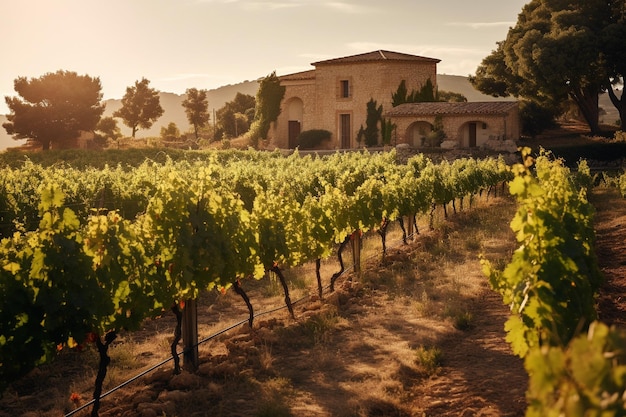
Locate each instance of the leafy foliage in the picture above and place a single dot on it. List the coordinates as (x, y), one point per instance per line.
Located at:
(54, 108)
(535, 117)
(552, 278)
(108, 129)
(236, 116)
(141, 106)
(559, 50)
(309, 139)
(387, 129)
(267, 110)
(196, 107)
(585, 378)
(171, 132)
(373, 117)
(426, 93)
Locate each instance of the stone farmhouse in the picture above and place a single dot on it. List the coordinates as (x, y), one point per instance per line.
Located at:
(334, 97)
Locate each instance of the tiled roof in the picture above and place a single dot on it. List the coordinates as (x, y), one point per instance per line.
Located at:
(444, 108)
(304, 75)
(376, 56)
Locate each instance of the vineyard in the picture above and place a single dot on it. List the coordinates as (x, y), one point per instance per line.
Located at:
(88, 254)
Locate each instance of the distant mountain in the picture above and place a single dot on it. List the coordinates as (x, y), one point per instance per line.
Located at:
(174, 111)
(460, 84)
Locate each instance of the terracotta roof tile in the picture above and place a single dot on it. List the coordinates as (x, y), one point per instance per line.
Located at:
(304, 75)
(380, 55)
(444, 108)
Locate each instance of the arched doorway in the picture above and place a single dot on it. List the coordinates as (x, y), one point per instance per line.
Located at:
(473, 134)
(295, 111)
(417, 133)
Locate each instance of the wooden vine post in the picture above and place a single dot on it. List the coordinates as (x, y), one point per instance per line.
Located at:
(190, 335)
(356, 251)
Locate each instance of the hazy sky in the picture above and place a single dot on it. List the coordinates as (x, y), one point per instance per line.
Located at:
(180, 44)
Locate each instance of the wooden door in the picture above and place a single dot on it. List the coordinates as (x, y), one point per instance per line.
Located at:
(472, 135)
(345, 129)
(294, 132)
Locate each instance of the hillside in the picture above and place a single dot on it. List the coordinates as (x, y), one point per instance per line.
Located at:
(174, 112)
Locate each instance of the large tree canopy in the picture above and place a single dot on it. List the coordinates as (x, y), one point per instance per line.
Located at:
(141, 106)
(196, 106)
(54, 107)
(557, 50)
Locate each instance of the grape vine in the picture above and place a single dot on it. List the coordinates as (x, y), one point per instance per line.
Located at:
(86, 253)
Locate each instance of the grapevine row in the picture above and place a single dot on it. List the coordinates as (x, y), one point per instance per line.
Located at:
(86, 252)
(576, 364)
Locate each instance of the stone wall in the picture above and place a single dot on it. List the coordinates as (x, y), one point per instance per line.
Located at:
(303, 90)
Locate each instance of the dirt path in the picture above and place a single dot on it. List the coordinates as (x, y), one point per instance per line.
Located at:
(611, 252)
(480, 377)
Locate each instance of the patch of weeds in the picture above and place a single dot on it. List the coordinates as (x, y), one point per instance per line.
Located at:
(273, 409)
(425, 305)
(272, 287)
(461, 318)
(276, 393)
(429, 358)
(123, 359)
(472, 245)
(265, 357)
(313, 331)
(319, 326)
(123, 355)
(376, 407)
(463, 321)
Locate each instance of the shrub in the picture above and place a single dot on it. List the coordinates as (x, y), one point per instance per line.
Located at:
(536, 118)
(310, 139)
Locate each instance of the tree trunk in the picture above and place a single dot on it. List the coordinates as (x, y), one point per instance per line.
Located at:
(177, 336)
(246, 299)
(275, 269)
(382, 231)
(404, 234)
(320, 290)
(104, 362)
(337, 274)
(587, 100)
(619, 103)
